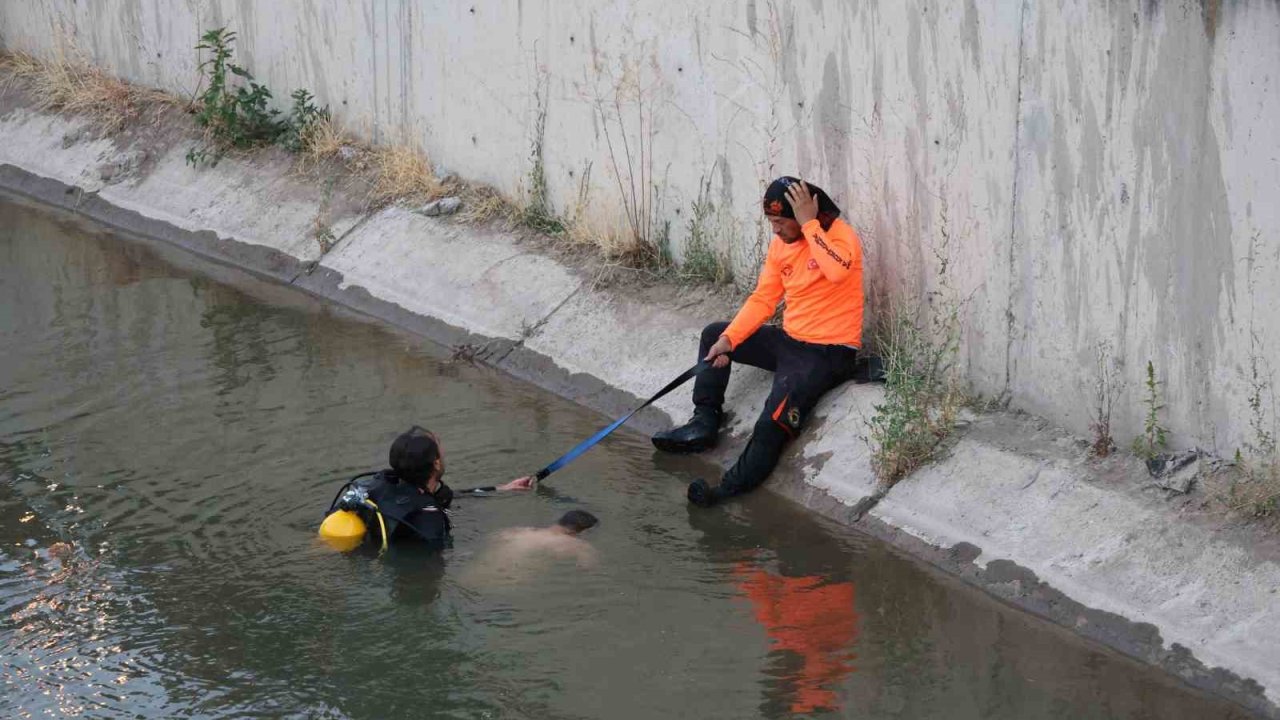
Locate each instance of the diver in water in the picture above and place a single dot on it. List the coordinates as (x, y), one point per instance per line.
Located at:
(408, 500)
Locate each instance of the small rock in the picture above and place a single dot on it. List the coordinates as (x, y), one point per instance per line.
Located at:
(73, 137)
(121, 166)
(347, 153)
(443, 206)
(107, 171)
(1176, 472)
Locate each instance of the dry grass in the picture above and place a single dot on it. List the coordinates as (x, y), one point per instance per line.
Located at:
(402, 173)
(323, 140)
(69, 84)
(605, 227)
(599, 226)
(1256, 492)
(481, 204)
(396, 173)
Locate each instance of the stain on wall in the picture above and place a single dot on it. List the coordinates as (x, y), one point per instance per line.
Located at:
(1098, 172)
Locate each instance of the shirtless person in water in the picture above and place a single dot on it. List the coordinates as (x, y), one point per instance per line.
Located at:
(517, 545)
(517, 552)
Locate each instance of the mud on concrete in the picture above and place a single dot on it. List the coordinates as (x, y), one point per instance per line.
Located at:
(1016, 507)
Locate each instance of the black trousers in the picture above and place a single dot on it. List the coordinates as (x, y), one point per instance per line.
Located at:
(802, 373)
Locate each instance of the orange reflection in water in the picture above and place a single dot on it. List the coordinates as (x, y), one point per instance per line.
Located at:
(812, 619)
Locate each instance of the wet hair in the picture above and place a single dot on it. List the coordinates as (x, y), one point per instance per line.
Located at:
(577, 521)
(413, 456)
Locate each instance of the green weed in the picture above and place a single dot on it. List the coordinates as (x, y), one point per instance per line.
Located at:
(1154, 437)
(919, 345)
(922, 394)
(535, 213)
(235, 110)
(1258, 493)
(702, 262)
(303, 119)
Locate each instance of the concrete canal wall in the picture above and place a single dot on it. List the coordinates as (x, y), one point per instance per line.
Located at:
(1097, 177)
(1092, 175)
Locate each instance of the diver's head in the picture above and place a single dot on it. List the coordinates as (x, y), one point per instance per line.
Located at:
(417, 458)
(576, 521)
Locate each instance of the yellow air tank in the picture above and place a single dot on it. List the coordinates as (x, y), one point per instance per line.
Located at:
(342, 530)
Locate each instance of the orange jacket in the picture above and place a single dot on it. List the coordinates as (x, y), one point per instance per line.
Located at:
(821, 279)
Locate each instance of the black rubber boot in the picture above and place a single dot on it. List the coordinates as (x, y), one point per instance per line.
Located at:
(702, 494)
(694, 436)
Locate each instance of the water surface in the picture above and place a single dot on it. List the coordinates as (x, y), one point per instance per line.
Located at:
(171, 431)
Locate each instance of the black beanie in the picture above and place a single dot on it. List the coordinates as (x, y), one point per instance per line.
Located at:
(776, 204)
(413, 456)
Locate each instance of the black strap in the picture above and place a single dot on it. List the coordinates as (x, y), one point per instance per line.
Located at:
(383, 511)
(344, 487)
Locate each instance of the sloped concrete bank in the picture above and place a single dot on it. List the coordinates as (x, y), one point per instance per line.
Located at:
(1015, 507)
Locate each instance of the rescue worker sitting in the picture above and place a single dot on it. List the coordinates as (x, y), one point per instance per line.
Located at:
(814, 263)
(408, 500)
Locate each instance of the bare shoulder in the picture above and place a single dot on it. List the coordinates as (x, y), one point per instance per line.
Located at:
(514, 533)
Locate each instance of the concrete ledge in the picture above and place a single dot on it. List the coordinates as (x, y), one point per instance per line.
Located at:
(1015, 508)
(1019, 497)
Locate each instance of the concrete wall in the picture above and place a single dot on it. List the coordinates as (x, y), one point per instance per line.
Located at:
(1091, 173)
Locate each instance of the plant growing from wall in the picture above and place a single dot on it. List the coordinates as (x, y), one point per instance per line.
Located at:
(1259, 493)
(702, 262)
(303, 119)
(1104, 393)
(535, 213)
(919, 345)
(234, 113)
(235, 110)
(921, 394)
(631, 160)
(1154, 436)
(1264, 439)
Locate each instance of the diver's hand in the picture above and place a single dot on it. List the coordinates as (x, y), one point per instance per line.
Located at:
(719, 353)
(522, 483)
(803, 204)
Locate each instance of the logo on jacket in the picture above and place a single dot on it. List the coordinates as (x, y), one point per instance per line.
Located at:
(787, 270)
(813, 264)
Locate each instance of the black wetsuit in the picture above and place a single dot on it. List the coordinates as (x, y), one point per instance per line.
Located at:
(802, 373)
(408, 512)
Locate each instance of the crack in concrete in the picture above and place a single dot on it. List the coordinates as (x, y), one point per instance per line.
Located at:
(506, 259)
(310, 267)
(356, 226)
(531, 330)
(1034, 478)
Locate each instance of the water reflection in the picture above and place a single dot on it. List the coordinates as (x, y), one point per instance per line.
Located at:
(812, 627)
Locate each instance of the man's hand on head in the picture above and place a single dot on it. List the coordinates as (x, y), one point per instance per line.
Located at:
(719, 353)
(803, 204)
